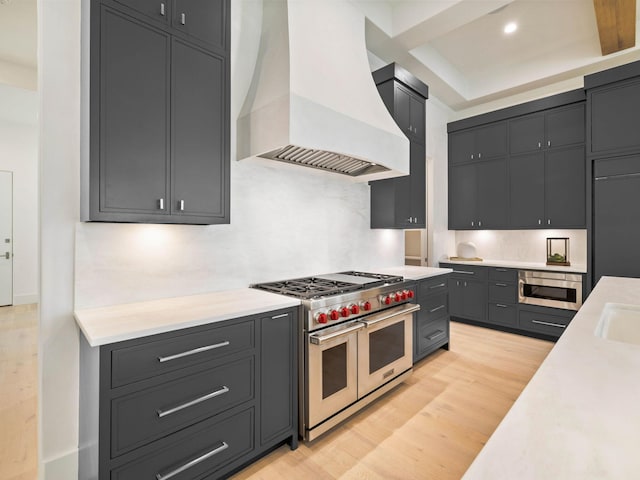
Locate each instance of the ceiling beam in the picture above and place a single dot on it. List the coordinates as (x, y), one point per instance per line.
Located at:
(616, 24)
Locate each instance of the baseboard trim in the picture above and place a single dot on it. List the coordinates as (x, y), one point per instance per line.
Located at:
(64, 467)
(26, 299)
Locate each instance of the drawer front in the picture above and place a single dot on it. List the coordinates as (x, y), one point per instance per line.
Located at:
(130, 364)
(505, 275)
(542, 323)
(433, 286)
(142, 417)
(432, 333)
(467, 271)
(503, 292)
(204, 451)
(503, 314)
(434, 306)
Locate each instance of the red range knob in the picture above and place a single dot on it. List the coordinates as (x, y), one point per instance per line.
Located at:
(366, 306)
(410, 294)
(387, 300)
(355, 309)
(404, 295)
(321, 318)
(398, 296)
(344, 311)
(334, 315)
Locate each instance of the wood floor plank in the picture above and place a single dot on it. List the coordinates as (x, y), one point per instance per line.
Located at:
(432, 426)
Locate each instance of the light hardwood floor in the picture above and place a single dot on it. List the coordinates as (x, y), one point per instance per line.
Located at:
(431, 427)
(18, 392)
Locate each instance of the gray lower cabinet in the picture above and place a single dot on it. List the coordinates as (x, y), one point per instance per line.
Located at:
(158, 115)
(468, 292)
(431, 324)
(195, 403)
(488, 296)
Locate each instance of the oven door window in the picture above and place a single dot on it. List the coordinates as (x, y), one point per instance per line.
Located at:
(386, 346)
(560, 294)
(334, 370)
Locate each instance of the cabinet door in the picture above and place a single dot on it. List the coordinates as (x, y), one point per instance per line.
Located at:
(615, 115)
(134, 117)
(616, 222)
(418, 185)
(402, 201)
(565, 197)
(278, 374)
(456, 297)
(155, 9)
(200, 131)
(475, 300)
(417, 112)
(526, 190)
(492, 194)
(565, 126)
(526, 134)
(462, 197)
(461, 146)
(491, 140)
(203, 20)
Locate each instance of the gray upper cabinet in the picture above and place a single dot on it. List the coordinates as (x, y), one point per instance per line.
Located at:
(199, 144)
(614, 117)
(557, 127)
(401, 202)
(539, 183)
(478, 195)
(481, 143)
(133, 174)
(202, 20)
(159, 120)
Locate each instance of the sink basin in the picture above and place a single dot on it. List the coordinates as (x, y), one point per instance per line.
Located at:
(620, 322)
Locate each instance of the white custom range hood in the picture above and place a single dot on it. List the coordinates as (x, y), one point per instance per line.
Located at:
(313, 101)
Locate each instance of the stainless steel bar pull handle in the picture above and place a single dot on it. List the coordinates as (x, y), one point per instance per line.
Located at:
(440, 285)
(501, 284)
(193, 352)
(181, 205)
(162, 10)
(435, 335)
(549, 324)
(164, 413)
(183, 18)
(193, 462)
(161, 204)
(464, 271)
(436, 309)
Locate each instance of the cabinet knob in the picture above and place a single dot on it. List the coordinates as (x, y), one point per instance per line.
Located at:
(181, 205)
(161, 204)
(183, 18)
(539, 144)
(539, 222)
(472, 156)
(479, 155)
(162, 9)
(549, 221)
(473, 224)
(479, 223)
(410, 219)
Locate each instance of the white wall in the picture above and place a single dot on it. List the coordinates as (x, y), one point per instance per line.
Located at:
(19, 154)
(59, 76)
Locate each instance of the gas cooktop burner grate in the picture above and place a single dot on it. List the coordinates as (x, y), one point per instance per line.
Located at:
(377, 276)
(310, 287)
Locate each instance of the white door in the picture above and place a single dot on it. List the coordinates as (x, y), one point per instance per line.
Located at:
(6, 238)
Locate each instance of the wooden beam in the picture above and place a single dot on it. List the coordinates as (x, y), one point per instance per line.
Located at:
(616, 24)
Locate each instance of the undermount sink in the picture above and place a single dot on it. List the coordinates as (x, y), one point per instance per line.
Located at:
(620, 322)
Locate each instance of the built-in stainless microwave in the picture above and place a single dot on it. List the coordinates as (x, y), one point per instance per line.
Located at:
(550, 289)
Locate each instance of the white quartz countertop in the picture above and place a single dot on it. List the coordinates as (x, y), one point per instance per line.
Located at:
(579, 416)
(521, 265)
(104, 325)
(410, 272)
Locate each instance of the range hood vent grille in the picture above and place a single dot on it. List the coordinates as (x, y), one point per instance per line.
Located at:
(324, 160)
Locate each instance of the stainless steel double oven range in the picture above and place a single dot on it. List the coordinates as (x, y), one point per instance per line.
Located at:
(357, 342)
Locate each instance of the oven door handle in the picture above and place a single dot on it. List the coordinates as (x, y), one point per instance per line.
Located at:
(320, 339)
(405, 309)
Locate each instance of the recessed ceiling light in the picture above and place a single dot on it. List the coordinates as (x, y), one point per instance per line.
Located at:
(510, 27)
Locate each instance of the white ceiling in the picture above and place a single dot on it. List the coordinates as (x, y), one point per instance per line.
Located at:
(459, 49)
